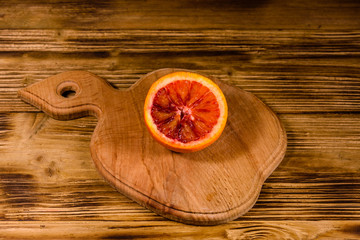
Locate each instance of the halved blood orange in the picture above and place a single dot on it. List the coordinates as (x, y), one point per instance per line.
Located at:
(185, 111)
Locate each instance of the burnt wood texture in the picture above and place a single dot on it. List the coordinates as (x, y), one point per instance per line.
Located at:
(300, 57)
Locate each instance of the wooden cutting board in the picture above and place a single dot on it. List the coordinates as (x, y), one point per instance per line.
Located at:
(212, 186)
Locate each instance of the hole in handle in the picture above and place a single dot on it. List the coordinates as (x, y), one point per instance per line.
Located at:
(68, 89)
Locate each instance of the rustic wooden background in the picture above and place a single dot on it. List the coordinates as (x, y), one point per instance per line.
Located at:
(301, 57)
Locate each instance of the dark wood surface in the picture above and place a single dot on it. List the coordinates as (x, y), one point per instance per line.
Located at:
(299, 57)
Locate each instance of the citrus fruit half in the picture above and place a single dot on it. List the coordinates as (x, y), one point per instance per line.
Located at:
(185, 111)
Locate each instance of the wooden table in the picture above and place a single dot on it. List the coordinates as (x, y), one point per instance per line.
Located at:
(300, 57)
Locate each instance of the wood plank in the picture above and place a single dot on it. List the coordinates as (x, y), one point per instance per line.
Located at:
(170, 230)
(291, 71)
(183, 14)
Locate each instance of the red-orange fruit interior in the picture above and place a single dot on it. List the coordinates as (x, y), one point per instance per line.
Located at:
(185, 110)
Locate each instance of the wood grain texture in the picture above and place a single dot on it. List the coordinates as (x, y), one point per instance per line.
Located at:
(167, 230)
(181, 14)
(163, 230)
(299, 57)
(212, 186)
(291, 71)
(50, 177)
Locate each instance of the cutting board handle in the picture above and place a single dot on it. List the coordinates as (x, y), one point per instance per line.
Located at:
(70, 95)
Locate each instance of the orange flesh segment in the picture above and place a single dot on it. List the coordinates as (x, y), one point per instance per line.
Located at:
(185, 110)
